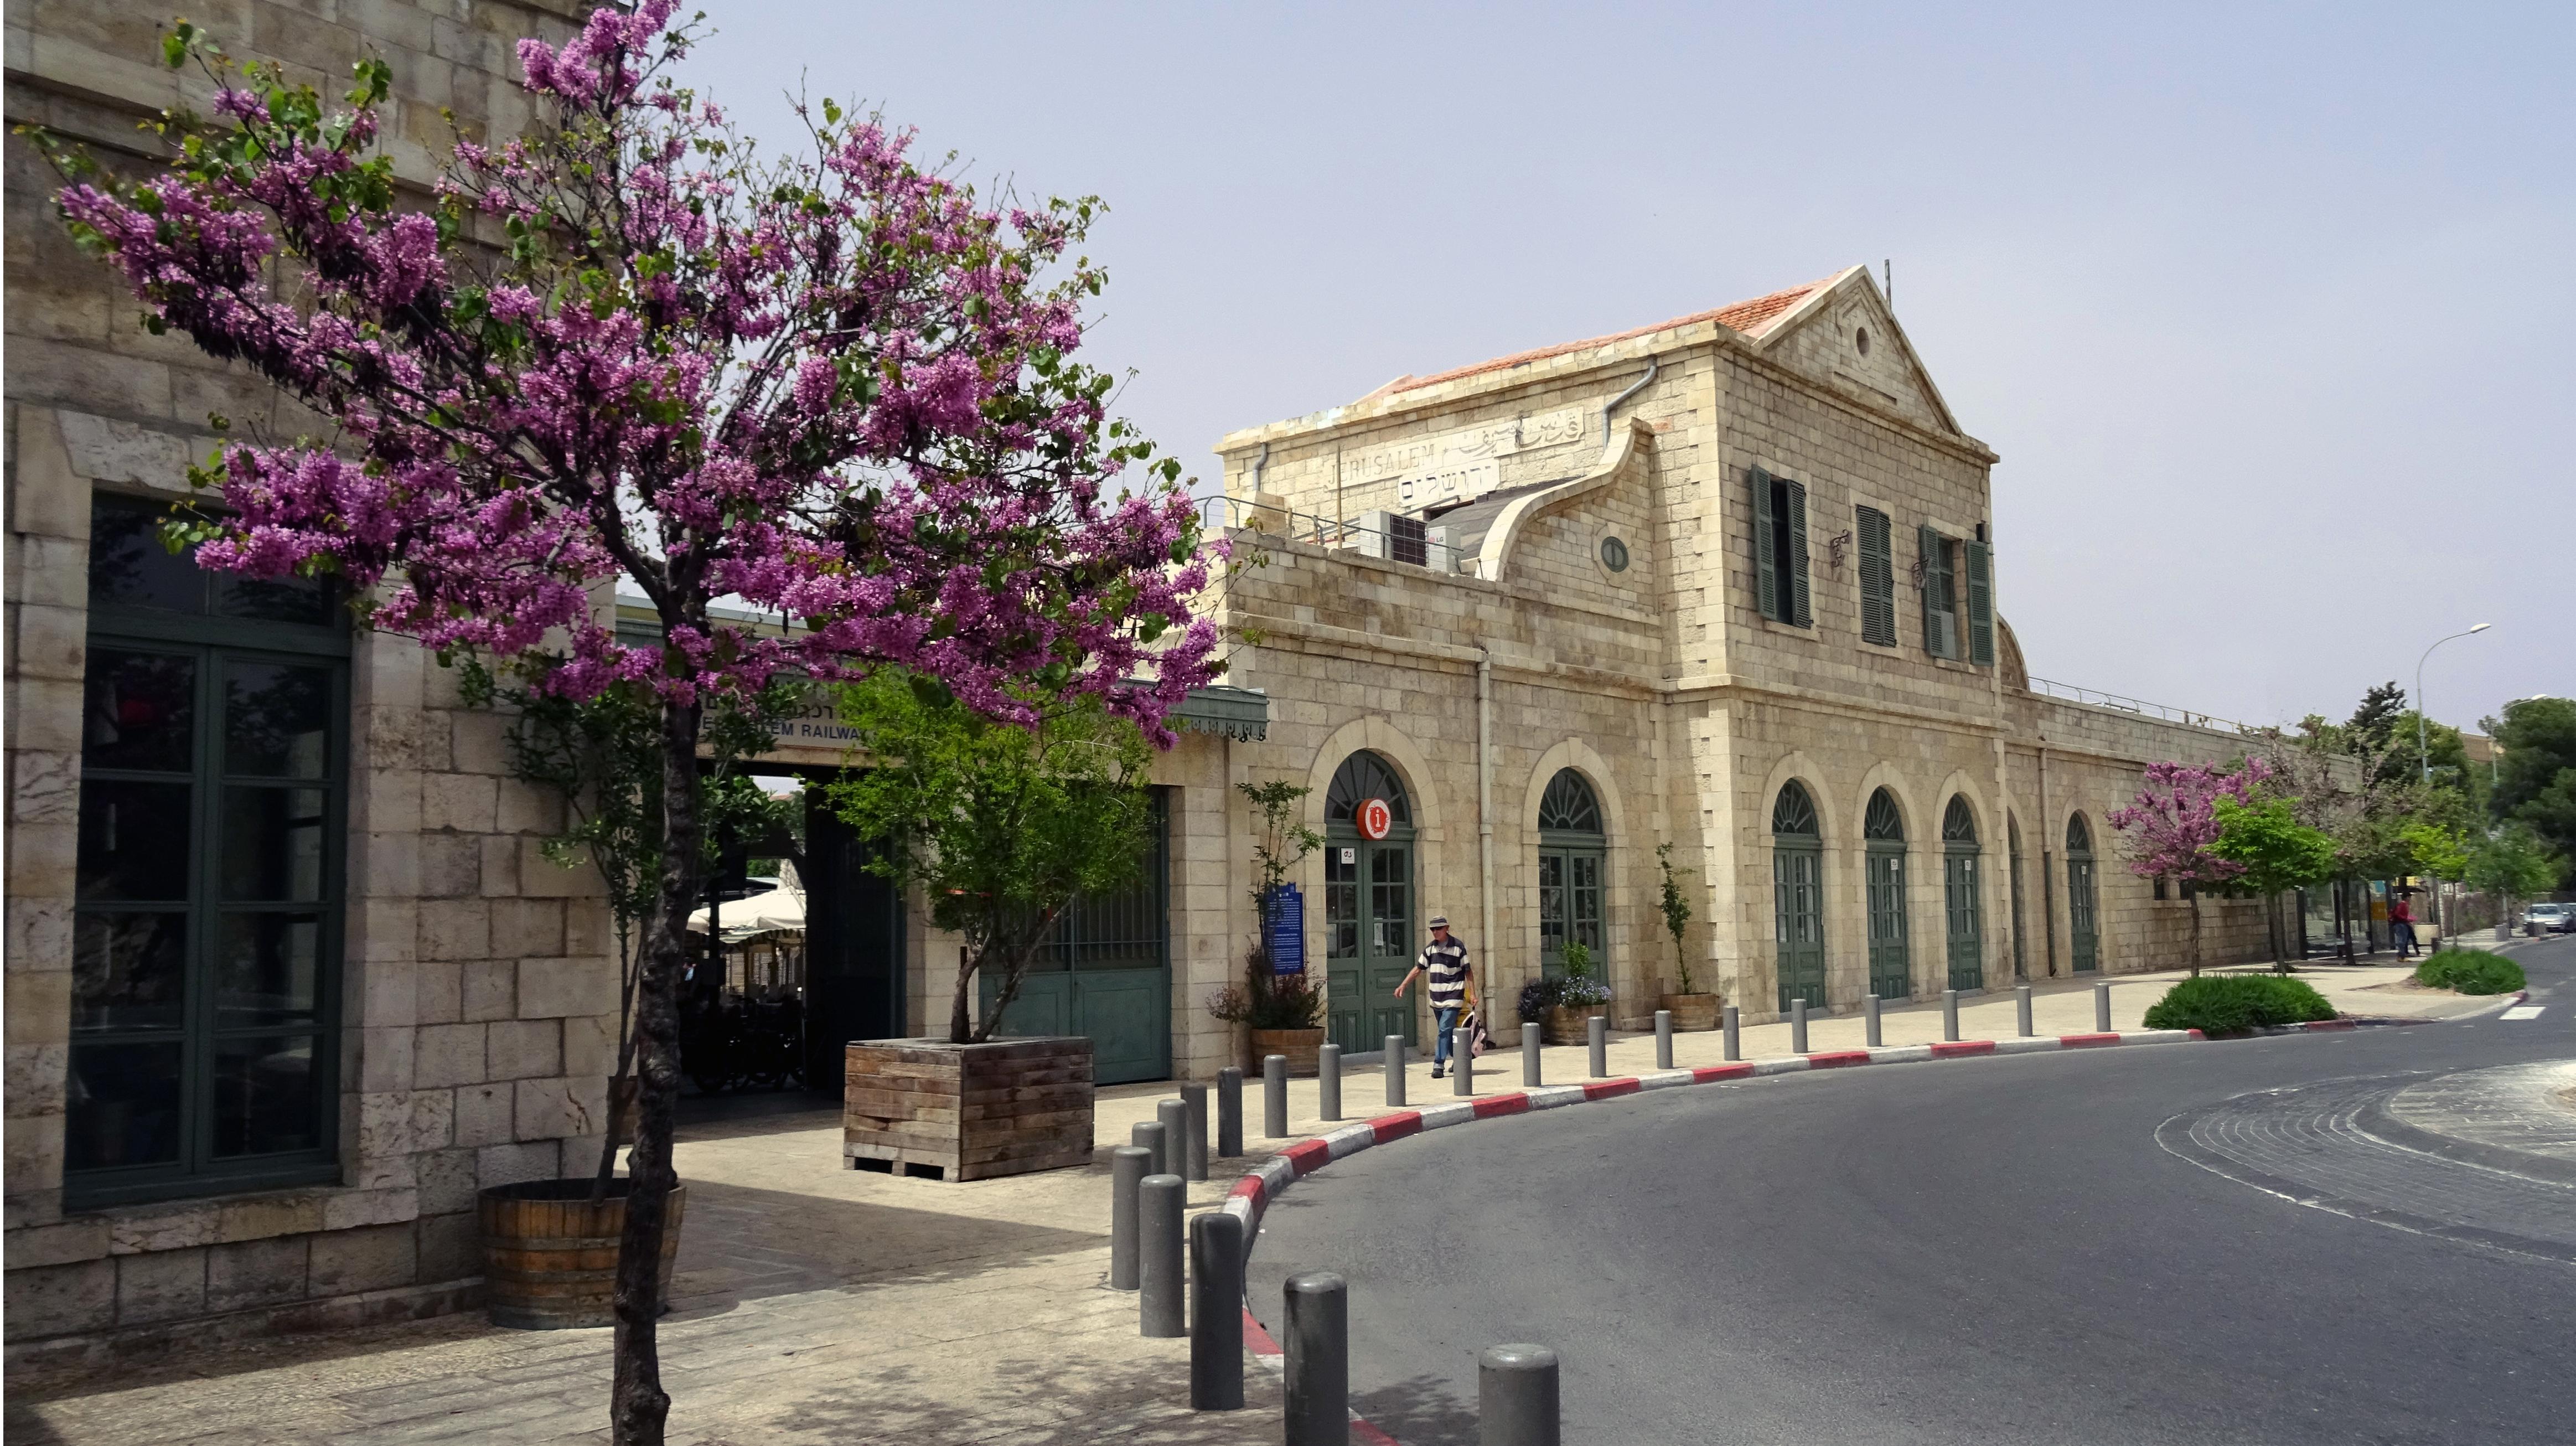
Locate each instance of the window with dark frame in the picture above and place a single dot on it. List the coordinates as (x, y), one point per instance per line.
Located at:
(1940, 594)
(1877, 578)
(1780, 550)
(207, 892)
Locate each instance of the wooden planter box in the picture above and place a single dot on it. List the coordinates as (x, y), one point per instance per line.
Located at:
(967, 1111)
(1566, 1023)
(1302, 1046)
(1691, 1011)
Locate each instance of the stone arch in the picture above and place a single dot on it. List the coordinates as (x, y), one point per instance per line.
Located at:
(1575, 754)
(1963, 784)
(1516, 864)
(1379, 735)
(1908, 807)
(1796, 764)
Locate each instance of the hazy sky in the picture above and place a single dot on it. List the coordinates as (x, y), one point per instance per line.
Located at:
(2268, 314)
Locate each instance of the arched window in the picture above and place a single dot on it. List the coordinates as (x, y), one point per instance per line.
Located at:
(2082, 915)
(1883, 824)
(1798, 897)
(1363, 776)
(1568, 805)
(1959, 822)
(2079, 839)
(1793, 812)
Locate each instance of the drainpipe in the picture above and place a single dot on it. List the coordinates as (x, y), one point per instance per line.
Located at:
(1653, 364)
(2047, 867)
(1260, 464)
(1485, 815)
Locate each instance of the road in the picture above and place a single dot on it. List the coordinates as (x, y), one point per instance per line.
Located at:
(1991, 1251)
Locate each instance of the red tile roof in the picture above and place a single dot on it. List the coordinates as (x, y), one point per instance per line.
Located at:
(1749, 317)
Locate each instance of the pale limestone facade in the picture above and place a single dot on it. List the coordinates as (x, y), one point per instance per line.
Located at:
(473, 978)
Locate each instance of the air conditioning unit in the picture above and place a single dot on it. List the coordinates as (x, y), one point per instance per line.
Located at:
(1395, 537)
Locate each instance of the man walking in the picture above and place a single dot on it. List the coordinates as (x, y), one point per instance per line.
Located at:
(1443, 968)
(2401, 926)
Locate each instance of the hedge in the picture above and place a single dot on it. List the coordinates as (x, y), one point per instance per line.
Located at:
(2218, 1004)
(2470, 971)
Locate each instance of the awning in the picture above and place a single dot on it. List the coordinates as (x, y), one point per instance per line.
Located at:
(1241, 713)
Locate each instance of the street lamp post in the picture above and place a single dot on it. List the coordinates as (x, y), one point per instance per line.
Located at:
(2423, 750)
(2424, 763)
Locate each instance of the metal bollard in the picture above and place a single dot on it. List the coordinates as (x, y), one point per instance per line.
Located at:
(1598, 1027)
(1229, 1112)
(1663, 1039)
(1274, 1096)
(1328, 1080)
(1318, 1348)
(1128, 1167)
(1798, 1026)
(2102, 1008)
(1195, 1132)
(1174, 1116)
(1159, 1308)
(1869, 1020)
(1395, 1070)
(2021, 1007)
(1462, 1063)
(1529, 1056)
(1216, 1312)
(1734, 1036)
(1950, 1015)
(1516, 1396)
(1150, 1134)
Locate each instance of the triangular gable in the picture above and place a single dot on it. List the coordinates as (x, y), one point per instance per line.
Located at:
(1842, 334)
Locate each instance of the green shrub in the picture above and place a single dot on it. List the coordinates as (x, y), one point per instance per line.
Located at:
(2470, 971)
(2234, 1003)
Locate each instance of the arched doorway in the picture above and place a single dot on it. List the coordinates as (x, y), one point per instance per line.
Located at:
(1570, 847)
(2081, 925)
(1960, 897)
(1891, 969)
(1368, 906)
(1798, 896)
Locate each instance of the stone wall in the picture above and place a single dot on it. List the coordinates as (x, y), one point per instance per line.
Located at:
(474, 1049)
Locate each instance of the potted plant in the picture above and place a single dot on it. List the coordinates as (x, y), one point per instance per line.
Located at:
(1689, 1007)
(1284, 1013)
(1568, 1000)
(1001, 825)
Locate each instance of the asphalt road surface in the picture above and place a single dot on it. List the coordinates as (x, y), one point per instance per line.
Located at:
(1993, 1251)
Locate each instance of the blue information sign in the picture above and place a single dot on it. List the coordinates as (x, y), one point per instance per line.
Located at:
(1283, 928)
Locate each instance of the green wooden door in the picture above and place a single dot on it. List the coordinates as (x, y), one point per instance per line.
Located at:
(1569, 907)
(1891, 972)
(2080, 912)
(1368, 941)
(1105, 972)
(1798, 913)
(1967, 924)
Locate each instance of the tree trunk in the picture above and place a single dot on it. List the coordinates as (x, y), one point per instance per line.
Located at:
(638, 1406)
(2195, 933)
(961, 1028)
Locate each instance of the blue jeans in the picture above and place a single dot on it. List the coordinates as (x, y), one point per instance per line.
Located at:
(2404, 938)
(1446, 1020)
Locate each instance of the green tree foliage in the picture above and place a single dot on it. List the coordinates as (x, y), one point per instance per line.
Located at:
(2536, 773)
(2512, 863)
(1001, 825)
(1675, 904)
(2276, 850)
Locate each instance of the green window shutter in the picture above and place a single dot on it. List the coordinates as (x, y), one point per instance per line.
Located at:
(1766, 576)
(1929, 544)
(1877, 579)
(1981, 606)
(1794, 605)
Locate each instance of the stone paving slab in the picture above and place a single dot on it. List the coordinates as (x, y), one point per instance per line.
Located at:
(813, 1303)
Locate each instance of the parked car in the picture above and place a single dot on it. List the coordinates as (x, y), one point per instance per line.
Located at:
(2550, 919)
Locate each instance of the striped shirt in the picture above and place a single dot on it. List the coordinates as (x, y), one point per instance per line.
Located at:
(1444, 970)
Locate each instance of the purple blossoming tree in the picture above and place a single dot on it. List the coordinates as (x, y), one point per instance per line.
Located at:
(2173, 828)
(835, 388)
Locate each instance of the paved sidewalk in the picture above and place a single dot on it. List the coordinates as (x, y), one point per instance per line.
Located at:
(815, 1304)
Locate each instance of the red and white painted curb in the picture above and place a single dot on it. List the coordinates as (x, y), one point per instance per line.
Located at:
(1251, 1195)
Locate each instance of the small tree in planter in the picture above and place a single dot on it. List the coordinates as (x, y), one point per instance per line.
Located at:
(1690, 1008)
(2172, 830)
(1287, 1006)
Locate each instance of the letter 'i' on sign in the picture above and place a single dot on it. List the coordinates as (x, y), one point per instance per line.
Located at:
(1375, 818)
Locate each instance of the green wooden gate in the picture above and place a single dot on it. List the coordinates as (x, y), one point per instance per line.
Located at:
(2080, 917)
(1369, 942)
(1798, 897)
(1106, 971)
(1960, 897)
(1891, 967)
(1569, 874)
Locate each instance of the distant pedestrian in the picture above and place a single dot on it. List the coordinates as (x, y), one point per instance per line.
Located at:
(2401, 927)
(1443, 969)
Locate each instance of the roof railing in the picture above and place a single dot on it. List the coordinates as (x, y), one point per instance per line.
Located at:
(2188, 717)
(1418, 545)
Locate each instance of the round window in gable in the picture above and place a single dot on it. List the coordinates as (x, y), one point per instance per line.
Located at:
(1614, 554)
(1860, 338)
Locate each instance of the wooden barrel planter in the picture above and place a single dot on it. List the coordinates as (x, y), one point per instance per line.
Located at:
(550, 1253)
(1304, 1048)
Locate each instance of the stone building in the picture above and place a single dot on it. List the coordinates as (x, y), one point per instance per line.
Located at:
(287, 979)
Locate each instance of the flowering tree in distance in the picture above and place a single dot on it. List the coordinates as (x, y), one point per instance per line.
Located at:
(2172, 830)
(835, 388)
